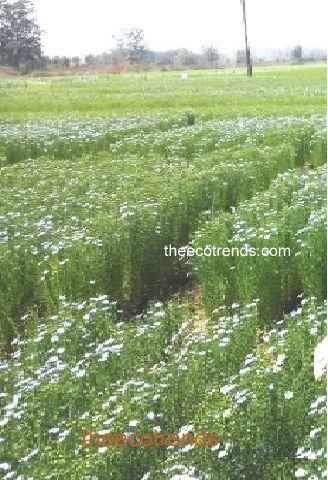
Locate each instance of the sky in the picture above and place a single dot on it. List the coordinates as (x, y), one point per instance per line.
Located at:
(80, 27)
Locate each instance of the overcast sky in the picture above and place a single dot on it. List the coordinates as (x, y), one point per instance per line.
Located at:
(79, 27)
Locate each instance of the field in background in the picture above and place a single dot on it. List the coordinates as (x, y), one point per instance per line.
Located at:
(98, 329)
(215, 94)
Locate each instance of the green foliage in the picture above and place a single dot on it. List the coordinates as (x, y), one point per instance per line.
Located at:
(280, 217)
(88, 201)
(20, 36)
(89, 371)
(119, 229)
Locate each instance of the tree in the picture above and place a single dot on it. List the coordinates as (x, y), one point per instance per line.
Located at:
(131, 44)
(297, 53)
(75, 61)
(211, 55)
(90, 59)
(247, 49)
(240, 57)
(182, 56)
(20, 36)
(62, 62)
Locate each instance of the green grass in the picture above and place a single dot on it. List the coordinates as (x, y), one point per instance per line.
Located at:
(272, 91)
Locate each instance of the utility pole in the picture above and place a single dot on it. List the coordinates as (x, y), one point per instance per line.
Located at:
(248, 52)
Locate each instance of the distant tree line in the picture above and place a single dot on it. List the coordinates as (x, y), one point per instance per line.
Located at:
(132, 50)
(182, 58)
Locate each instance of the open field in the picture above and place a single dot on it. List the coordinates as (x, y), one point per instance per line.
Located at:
(99, 329)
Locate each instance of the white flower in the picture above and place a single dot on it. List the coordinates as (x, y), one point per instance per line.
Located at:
(314, 432)
(300, 473)
(223, 453)
(280, 359)
(54, 430)
(226, 389)
(300, 451)
(226, 413)
(187, 448)
(133, 423)
(288, 395)
(311, 455)
(185, 429)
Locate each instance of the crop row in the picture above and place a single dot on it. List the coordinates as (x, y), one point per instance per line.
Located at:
(67, 138)
(270, 416)
(84, 370)
(82, 230)
(290, 214)
(148, 135)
